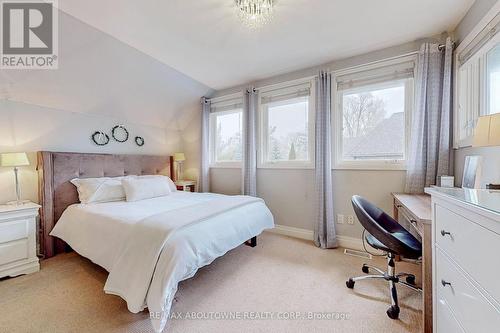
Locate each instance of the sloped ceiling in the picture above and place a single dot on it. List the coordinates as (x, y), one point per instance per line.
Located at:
(205, 40)
(99, 74)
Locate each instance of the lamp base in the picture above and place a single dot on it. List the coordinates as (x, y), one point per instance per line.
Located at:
(17, 202)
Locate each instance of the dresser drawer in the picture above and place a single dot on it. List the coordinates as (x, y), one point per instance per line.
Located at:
(475, 312)
(13, 251)
(445, 320)
(13, 230)
(472, 246)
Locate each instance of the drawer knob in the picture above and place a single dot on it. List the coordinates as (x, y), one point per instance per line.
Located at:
(444, 233)
(445, 283)
(413, 221)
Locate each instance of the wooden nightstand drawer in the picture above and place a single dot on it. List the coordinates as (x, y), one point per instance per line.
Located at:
(13, 230)
(186, 185)
(13, 251)
(18, 239)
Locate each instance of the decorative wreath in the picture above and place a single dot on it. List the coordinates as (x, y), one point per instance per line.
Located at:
(117, 127)
(100, 138)
(139, 140)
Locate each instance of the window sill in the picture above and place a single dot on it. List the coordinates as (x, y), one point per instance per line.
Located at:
(225, 166)
(286, 165)
(370, 166)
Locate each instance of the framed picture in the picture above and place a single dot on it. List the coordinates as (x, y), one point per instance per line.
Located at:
(472, 172)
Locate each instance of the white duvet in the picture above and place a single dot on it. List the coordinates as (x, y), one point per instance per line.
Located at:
(115, 236)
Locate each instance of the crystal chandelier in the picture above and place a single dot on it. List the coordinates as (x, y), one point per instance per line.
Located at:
(255, 13)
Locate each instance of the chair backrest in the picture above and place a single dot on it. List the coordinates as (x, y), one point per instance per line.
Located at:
(379, 224)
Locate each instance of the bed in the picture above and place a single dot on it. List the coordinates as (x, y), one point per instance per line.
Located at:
(147, 246)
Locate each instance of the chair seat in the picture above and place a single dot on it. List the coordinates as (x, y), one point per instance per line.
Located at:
(413, 248)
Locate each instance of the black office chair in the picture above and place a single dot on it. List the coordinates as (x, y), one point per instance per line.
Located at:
(386, 234)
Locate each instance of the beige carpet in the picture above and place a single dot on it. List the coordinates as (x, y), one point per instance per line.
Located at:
(281, 275)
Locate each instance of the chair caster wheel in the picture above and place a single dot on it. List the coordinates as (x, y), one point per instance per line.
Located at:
(410, 279)
(393, 312)
(349, 283)
(365, 269)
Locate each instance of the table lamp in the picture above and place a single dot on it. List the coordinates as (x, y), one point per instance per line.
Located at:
(15, 160)
(487, 131)
(487, 134)
(179, 158)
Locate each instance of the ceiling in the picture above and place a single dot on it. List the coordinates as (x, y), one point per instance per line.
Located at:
(100, 75)
(204, 39)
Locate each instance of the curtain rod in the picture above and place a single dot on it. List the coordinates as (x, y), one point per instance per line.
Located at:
(442, 46)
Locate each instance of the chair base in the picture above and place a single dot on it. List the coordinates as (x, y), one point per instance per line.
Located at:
(392, 278)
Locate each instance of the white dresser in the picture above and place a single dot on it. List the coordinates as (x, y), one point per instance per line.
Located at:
(466, 264)
(18, 239)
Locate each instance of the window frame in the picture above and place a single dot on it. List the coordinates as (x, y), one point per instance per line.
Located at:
(262, 130)
(477, 97)
(495, 42)
(212, 139)
(338, 163)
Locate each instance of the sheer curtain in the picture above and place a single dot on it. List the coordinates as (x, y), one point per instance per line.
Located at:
(250, 105)
(205, 145)
(324, 231)
(430, 145)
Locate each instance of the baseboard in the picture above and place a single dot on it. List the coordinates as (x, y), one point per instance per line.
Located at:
(344, 241)
(293, 232)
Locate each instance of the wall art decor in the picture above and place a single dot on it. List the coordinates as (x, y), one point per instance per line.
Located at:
(139, 140)
(119, 133)
(100, 138)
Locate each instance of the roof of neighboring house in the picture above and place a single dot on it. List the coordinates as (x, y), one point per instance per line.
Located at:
(386, 139)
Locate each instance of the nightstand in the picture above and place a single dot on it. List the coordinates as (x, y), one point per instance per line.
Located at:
(18, 239)
(186, 185)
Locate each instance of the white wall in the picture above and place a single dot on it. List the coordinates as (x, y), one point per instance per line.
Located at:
(490, 172)
(491, 155)
(290, 193)
(31, 128)
(101, 82)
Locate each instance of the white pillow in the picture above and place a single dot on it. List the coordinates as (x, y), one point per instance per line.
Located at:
(171, 184)
(140, 188)
(103, 189)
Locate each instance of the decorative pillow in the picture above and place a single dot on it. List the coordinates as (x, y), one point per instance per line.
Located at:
(171, 184)
(140, 188)
(103, 189)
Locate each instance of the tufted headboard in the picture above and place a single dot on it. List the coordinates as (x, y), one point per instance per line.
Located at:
(56, 193)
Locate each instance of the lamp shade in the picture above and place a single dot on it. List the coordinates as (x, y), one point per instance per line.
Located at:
(179, 157)
(487, 131)
(14, 159)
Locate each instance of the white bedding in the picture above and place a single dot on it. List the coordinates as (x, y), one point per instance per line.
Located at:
(101, 231)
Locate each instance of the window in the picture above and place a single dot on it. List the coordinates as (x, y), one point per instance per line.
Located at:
(371, 117)
(493, 80)
(226, 123)
(287, 127)
(478, 79)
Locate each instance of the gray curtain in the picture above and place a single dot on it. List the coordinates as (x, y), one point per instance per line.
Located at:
(205, 146)
(250, 104)
(430, 145)
(324, 231)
